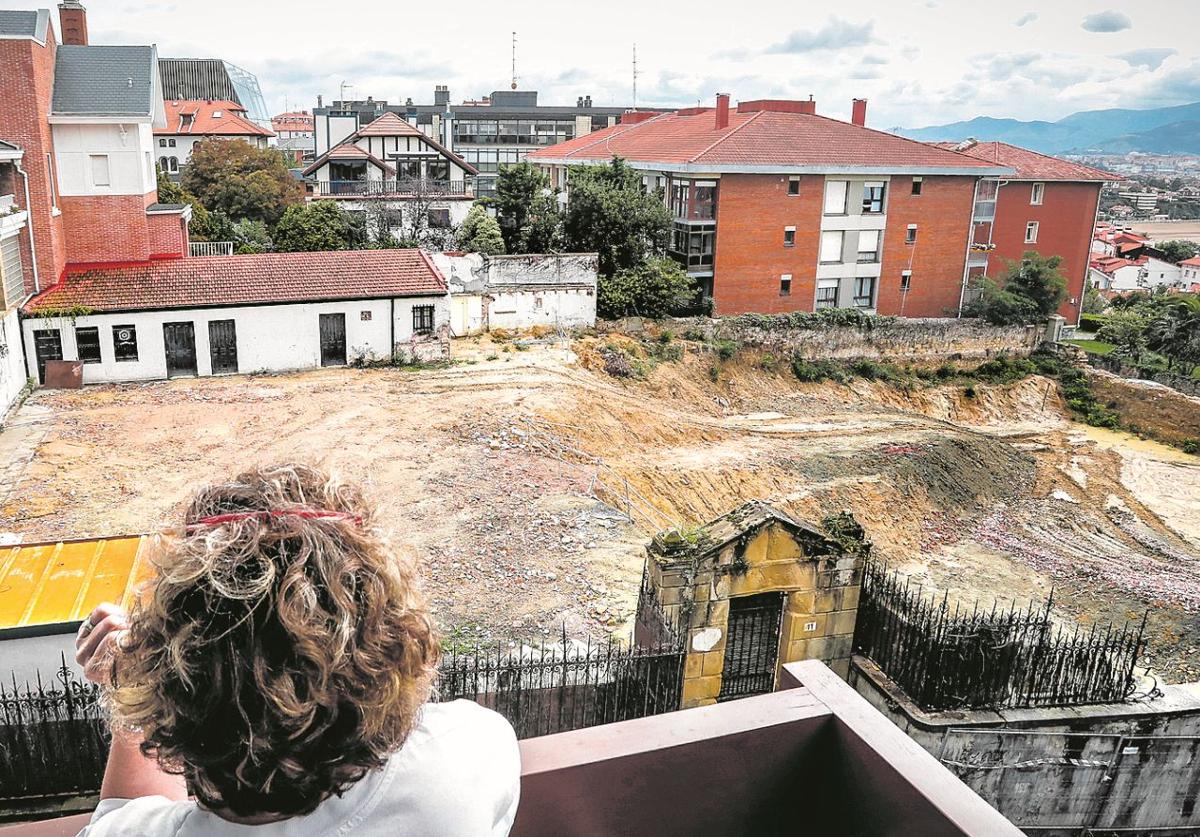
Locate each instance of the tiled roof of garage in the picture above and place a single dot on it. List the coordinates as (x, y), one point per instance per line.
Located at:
(264, 278)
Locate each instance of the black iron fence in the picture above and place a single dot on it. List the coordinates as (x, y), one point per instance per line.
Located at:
(54, 740)
(955, 657)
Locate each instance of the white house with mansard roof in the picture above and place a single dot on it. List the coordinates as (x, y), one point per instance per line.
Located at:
(391, 166)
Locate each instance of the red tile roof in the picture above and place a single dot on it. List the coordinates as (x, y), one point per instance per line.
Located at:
(214, 281)
(346, 151)
(206, 122)
(759, 139)
(1031, 165)
(1194, 261)
(293, 121)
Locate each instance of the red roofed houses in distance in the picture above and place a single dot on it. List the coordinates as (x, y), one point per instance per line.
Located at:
(190, 121)
(777, 209)
(83, 116)
(1047, 206)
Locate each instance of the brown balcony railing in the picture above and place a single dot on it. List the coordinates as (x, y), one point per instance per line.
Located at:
(814, 759)
(392, 188)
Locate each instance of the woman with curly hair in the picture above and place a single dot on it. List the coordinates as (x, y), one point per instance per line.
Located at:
(278, 669)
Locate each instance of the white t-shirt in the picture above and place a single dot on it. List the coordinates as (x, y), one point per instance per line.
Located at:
(458, 773)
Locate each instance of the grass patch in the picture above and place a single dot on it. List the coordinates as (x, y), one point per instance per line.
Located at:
(1095, 347)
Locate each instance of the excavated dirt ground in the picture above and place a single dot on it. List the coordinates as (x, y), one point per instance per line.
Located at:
(505, 471)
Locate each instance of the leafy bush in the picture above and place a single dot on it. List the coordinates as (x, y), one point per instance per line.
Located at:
(815, 371)
(667, 352)
(875, 371)
(768, 362)
(696, 335)
(1005, 370)
(725, 349)
(1092, 322)
(655, 288)
(809, 320)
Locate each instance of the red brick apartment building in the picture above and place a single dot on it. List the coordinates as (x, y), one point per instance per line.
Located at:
(83, 117)
(778, 209)
(1048, 206)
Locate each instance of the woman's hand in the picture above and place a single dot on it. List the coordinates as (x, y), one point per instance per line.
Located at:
(96, 643)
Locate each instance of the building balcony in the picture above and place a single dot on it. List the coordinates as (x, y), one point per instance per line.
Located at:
(984, 211)
(812, 759)
(406, 188)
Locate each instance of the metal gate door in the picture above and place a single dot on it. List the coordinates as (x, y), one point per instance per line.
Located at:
(222, 346)
(180, 342)
(47, 345)
(333, 339)
(751, 645)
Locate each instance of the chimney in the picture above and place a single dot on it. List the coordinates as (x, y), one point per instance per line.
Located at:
(72, 21)
(722, 111)
(320, 98)
(858, 112)
(441, 95)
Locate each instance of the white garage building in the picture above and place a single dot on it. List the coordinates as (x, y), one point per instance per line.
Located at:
(215, 315)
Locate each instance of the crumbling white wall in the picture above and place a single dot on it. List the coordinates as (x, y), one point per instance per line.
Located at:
(520, 291)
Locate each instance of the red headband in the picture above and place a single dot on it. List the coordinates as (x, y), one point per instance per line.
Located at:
(309, 514)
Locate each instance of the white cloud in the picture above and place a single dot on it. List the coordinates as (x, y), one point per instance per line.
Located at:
(1028, 17)
(1110, 21)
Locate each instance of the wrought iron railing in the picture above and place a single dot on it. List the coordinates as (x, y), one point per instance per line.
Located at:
(54, 739)
(391, 188)
(955, 657)
(210, 248)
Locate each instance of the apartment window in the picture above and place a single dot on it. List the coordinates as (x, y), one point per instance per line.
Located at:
(789, 236)
(910, 235)
(868, 247)
(439, 219)
(864, 292)
(53, 181)
(100, 174)
(793, 185)
(1039, 191)
(125, 343)
(916, 185)
(785, 285)
(1031, 232)
(831, 246)
(905, 281)
(872, 203)
(88, 342)
(827, 293)
(171, 142)
(835, 197)
(162, 143)
(422, 319)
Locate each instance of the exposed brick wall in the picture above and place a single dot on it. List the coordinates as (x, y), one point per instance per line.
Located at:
(106, 228)
(942, 213)
(1065, 219)
(752, 210)
(28, 67)
(168, 236)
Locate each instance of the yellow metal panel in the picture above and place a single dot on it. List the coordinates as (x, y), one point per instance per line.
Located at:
(43, 584)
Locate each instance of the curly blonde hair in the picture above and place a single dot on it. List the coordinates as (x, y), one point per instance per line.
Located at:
(275, 659)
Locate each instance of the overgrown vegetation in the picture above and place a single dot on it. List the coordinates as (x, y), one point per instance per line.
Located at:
(1153, 332)
(1028, 291)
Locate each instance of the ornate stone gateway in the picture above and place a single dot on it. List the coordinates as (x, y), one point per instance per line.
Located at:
(749, 591)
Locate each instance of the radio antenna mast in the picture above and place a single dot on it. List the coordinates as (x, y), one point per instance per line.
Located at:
(514, 60)
(635, 76)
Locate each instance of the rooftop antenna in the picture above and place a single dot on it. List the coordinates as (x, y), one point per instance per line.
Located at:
(635, 76)
(514, 60)
(342, 91)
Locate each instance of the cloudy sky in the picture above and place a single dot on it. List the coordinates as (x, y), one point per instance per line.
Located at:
(919, 63)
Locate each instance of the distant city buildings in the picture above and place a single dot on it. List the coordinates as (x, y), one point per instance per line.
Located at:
(296, 134)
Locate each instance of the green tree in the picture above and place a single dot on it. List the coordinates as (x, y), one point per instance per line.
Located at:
(205, 225)
(610, 213)
(309, 227)
(1037, 278)
(1000, 306)
(1093, 301)
(241, 180)
(655, 288)
(480, 233)
(527, 210)
(251, 237)
(1174, 331)
(1127, 331)
(1178, 250)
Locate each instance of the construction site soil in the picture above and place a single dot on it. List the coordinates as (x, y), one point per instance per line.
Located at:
(529, 480)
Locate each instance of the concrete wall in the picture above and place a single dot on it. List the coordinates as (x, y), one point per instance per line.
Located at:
(126, 147)
(1131, 766)
(12, 361)
(271, 338)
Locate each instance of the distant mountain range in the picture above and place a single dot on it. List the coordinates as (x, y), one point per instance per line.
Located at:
(1173, 130)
